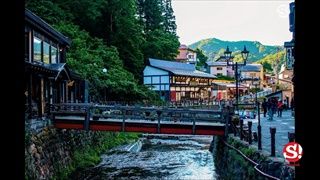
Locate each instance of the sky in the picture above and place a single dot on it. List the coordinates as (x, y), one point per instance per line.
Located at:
(265, 21)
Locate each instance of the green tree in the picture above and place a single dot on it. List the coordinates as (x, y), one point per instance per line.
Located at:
(150, 13)
(88, 54)
(156, 16)
(202, 58)
(169, 19)
(161, 45)
(122, 30)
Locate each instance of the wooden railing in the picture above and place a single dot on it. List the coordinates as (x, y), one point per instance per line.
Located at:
(97, 112)
(139, 112)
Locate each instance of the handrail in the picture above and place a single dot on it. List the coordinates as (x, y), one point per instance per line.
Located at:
(253, 162)
(134, 112)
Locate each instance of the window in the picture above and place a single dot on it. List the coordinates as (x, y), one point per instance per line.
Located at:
(219, 68)
(54, 53)
(36, 49)
(26, 46)
(46, 50)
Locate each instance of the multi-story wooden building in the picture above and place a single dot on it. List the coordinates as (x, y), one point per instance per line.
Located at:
(176, 82)
(186, 55)
(48, 78)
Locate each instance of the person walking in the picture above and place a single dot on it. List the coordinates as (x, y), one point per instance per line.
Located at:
(265, 107)
(280, 107)
(270, 109)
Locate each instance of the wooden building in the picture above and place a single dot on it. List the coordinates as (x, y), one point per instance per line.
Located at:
(178, 82)
(48, 78)
(186, 55)
(227, 91)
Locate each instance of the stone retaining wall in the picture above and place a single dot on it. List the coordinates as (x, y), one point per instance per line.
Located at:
(231, 165)
(49, 152)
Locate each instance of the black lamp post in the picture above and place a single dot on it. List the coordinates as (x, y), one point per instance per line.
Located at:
(258, 113)
(105, 70)
(244, 54)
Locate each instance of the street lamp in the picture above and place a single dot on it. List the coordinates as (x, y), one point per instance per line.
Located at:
(244, 54)
(105, 70)
(256, 83)
(227, 55)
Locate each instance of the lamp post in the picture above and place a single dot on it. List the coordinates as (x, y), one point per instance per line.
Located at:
(256, 82)
(244, 54)
(105, 70)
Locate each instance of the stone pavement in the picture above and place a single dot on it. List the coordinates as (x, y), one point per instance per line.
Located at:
(282, 124)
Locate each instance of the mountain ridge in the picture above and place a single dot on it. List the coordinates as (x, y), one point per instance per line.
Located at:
(214, 48)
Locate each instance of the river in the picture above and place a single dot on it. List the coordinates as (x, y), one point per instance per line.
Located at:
(156, 157)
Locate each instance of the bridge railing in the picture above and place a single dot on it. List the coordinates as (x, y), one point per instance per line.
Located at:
(139, 112)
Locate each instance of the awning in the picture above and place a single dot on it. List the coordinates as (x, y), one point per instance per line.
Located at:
(49, 70)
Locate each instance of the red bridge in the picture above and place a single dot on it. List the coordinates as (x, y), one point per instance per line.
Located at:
(158, 120)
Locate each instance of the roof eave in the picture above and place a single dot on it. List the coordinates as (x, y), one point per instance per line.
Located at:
(45, 27)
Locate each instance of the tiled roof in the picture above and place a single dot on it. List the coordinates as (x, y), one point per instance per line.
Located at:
(35, 20)
(178, 68)
(251, 67)
(213, 63)
(171, 64)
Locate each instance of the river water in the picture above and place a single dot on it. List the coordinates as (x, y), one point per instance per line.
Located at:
(157, 157)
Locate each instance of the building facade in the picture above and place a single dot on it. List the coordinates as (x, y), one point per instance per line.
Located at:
(290, 51)
(220, 68)
(177, 82)
(186, 55)
(250, 73)
(48, 78)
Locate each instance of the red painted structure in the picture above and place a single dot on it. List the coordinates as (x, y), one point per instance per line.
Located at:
(155, 120)
(146, 127)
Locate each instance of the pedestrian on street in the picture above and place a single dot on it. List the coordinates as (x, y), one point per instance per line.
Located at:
(265, 107)
(274, 105)
(280, 107)
(270, 109)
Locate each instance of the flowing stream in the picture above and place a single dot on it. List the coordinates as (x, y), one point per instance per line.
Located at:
(156, 157)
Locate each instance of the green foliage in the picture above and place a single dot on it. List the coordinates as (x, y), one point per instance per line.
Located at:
(272, 61)
(169, 19)
(161, 45)
(201, 57)
(89, 155)
(49, 11)
(107, 34)
(222, 77)
(214, 47)
(158, 21)
(125, 33)
(267, 66)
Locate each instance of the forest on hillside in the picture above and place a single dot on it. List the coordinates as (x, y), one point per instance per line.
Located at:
(271, 57)
(119, 35)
